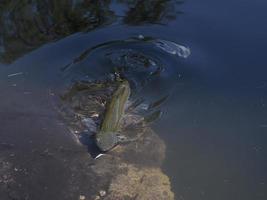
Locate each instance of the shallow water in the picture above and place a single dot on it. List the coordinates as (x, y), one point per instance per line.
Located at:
(214, 120)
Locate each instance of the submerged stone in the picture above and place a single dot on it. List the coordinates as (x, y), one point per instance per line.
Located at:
(131, 170)
(140, 184)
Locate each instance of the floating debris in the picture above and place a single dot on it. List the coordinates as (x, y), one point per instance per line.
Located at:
(95, 115)
(15, 74)
(99, 155)
(102, 193)
(4, 145)
(141, 37)
(173, 48)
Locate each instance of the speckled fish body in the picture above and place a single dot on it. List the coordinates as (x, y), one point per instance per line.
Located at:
(107, 138)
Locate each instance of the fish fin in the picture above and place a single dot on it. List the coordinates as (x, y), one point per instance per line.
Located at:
(153, 116)
(158, 102)
(135, 104)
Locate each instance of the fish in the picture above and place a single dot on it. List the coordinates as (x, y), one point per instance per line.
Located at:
(107, 137)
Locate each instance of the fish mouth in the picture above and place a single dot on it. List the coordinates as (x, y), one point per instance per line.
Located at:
(106, 141)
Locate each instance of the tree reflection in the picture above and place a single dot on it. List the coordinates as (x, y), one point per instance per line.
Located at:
(150, 11)
(27, 24)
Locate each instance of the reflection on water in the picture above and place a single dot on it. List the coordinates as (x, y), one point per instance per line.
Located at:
(194, 71)
(26, 25)
(45, 149)
(151, 11)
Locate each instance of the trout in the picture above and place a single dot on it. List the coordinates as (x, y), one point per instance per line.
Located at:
(107, 137)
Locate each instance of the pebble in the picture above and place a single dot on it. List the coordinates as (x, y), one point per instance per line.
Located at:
(102, 193)
(95, 115)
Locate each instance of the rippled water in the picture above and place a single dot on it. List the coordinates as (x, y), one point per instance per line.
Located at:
(208, 57)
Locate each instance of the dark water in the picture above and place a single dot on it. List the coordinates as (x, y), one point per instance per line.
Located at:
(214, 122)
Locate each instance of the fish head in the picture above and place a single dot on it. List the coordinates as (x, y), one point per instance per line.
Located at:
(106, 141)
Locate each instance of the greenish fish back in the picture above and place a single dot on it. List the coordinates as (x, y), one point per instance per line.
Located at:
(116, 107)
(106, 139)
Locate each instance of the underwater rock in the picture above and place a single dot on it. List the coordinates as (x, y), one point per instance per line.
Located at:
(140, 184)
(142, 151)
(131, 170)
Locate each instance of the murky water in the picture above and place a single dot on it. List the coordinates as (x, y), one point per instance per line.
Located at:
(208, 57)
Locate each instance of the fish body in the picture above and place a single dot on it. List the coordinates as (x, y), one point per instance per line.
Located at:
(107, 137)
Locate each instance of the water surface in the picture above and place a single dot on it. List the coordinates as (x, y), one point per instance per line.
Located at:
(214, 121)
